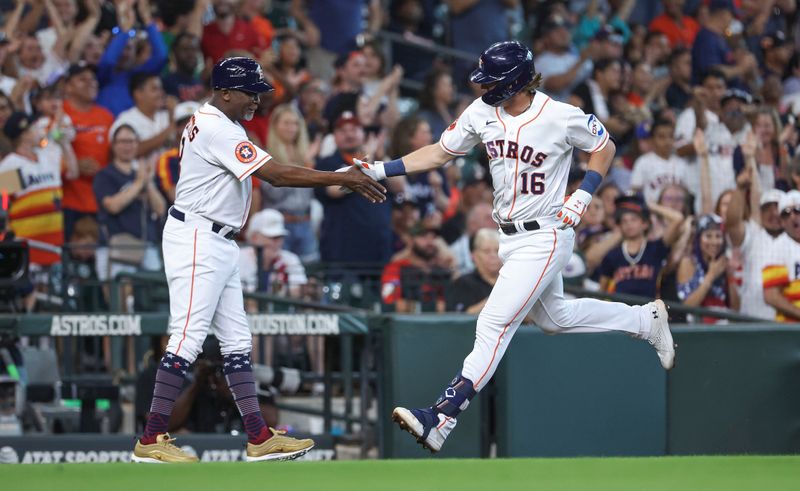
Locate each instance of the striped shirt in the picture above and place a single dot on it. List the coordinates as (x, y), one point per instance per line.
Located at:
(786, 276)
(35, 210)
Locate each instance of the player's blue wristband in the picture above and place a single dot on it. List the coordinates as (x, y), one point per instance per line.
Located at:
(591, 181)
(394, 167)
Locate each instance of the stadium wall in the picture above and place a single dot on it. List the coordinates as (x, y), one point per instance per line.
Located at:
(734, 390)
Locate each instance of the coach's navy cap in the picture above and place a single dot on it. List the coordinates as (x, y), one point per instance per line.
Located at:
(239, 73)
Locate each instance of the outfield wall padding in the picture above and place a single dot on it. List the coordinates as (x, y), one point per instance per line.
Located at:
(421, 354)
(735, 389)
(580, 394)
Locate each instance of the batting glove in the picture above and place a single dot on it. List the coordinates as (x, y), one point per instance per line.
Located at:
(374, 170)
(573, 209)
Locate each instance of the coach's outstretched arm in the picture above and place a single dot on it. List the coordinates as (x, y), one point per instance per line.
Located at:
(299, 177)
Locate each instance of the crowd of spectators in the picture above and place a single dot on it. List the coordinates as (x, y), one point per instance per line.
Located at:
(702, 97)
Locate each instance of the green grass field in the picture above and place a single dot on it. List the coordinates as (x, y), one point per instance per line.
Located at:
(668, 473)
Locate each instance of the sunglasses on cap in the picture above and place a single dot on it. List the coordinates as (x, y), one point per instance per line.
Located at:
(708, 221)
(788, 211)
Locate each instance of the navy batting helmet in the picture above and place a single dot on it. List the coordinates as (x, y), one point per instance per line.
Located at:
(239, 73)
(509, 65)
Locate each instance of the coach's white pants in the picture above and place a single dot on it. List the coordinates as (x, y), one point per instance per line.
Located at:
(204, 290)
(530, 281)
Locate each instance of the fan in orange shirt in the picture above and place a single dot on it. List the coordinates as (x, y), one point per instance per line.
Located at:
(252, 10)
(680, 29)
(91, 146)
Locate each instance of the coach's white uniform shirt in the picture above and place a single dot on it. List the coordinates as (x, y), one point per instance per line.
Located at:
(216, 160)
(530, 154)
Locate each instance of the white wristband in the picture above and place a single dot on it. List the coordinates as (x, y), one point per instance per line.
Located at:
(380, 170)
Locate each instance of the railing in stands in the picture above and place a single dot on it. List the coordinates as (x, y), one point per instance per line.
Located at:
(675, 307)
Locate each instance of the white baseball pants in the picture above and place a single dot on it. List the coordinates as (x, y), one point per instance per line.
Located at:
(530, 281)
(204, 289)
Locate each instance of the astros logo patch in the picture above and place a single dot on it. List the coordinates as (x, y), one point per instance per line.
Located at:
(245, 152)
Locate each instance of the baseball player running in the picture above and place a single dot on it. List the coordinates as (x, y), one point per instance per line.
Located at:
(200, 257)
(529, 138)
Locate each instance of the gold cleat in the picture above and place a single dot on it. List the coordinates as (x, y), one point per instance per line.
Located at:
(279, 447)
(161, 452)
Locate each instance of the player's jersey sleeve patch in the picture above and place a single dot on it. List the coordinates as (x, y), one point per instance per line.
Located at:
(585, 131)
(452, 125)
(595, 126)
(245, 152)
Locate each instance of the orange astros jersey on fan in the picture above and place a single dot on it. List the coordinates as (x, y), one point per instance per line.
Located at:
(530, 154)
(216, 160)
(785, 275)
(35, 211)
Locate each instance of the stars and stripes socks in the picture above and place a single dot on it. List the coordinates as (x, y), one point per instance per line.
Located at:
(169, 382)
(239, 375)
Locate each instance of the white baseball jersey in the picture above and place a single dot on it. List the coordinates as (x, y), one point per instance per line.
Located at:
(652, 174)
(759, 249)
(530, 154)
(216, 160)
(721, 144)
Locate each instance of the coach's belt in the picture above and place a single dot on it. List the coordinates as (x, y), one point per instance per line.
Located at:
(215, 227)
(512, 228)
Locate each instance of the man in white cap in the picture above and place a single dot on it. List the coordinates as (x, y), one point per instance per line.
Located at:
(782, 278)
(759, 236)
(275, 270)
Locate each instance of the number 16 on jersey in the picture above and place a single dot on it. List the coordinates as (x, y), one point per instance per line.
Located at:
(532, 183)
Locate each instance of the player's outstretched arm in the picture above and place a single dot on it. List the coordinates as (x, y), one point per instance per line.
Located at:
(426, 158)
(299, 177)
